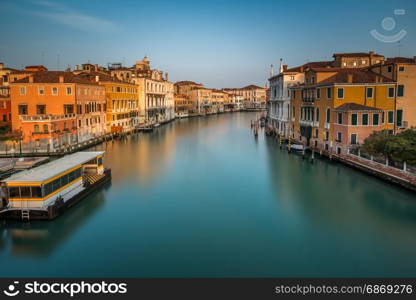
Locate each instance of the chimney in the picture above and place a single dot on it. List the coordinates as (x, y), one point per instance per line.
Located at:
(76, 68)
(371, 53)
(167, 76)
(97, 78)
(302, 69)
(96, 67)
(61, 79)
(30, 78)
(284, 68)
(377, 79)
(1, 66)
(350, 78)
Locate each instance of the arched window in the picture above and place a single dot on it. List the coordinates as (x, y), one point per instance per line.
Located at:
(328, 115)
(317, 114)
(36, 128)
(45, 128)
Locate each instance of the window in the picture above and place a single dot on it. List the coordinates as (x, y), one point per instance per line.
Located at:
(22, 109)
(353, 138)
(41, 91)
(375, 119)
(340, 94)
(69, 91)
(339, 137)
(365, 119)
(390, 92)
(68, 108)
(355, 63)
(36, 128)
(79, 109)
(399, 118)
(45, 128)
(329, 93)
(363, 62)
(317, 114)
(22, 90)
(328, 115)
(389, 69)
(354, 119)
(318, 93)
(316, 132)
(390, 117)
(292, 77)
(54, 91)
(400, 90)
(14, 192)
(25, 191)
(369, 92)
(401, 68)
(41, 109)
(339, 118)
(326, 136)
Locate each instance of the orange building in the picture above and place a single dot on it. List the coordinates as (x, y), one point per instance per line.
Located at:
(57, 108)
(401, 70)
(314, 103)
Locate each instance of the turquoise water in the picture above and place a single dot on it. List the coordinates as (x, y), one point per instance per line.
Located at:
(203, 197)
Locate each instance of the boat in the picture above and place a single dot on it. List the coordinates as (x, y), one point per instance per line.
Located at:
(156, 125)
(182, 114)
(262, 122)
(296, 147)
(46, 191)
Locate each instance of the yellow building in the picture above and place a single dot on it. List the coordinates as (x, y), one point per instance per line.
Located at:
(122, 101)
(122, 105)
(314, 103)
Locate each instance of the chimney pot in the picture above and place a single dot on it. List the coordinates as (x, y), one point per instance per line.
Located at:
(61, 79)
(30, 79)
(284, 68)
(371, 53)
(1, 66)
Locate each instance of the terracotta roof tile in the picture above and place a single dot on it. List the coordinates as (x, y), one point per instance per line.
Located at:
(356, 107)
(53, 77)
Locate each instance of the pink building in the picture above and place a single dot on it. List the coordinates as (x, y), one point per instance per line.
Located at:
(354, 123)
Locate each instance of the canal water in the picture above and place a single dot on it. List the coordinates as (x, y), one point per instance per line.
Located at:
(202, 197)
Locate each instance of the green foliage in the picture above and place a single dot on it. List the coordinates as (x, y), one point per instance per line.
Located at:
(400, 147)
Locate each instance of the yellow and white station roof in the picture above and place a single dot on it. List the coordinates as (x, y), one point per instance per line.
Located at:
(53, 168)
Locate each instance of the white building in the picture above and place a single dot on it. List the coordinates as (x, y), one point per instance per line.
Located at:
(278, 108)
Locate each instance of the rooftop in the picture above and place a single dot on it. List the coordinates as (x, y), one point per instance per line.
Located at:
(356, 107)
(53, 168)
(53, 77)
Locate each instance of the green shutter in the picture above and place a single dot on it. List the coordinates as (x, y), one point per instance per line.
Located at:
(365, 119)
(354, 119)
(399, 118)
(375, 119)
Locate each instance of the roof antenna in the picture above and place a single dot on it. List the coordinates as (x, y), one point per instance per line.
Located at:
(58, 62)
(399, 46)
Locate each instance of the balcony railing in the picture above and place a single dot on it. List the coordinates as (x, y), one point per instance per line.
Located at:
(46, 118)
(308, 99)
(327, 125)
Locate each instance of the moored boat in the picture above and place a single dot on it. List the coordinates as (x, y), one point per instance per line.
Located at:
(46, 191)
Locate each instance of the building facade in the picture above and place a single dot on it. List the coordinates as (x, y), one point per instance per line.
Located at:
(57, 108)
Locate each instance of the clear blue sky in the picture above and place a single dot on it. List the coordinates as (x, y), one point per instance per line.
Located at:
(218, 43)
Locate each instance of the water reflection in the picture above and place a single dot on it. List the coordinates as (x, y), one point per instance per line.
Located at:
(41, 238)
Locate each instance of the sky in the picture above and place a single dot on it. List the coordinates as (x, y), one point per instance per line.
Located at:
(218, 43)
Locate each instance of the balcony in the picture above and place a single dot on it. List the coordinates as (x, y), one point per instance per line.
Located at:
(308, 99)
(46, 118)
(327, 125)
(306, 123)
